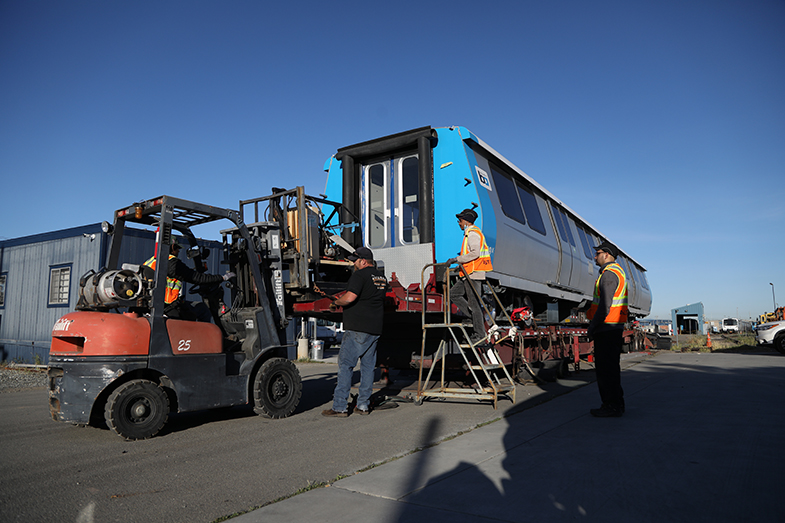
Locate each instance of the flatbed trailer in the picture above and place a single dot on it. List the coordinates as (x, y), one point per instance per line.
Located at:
(522, 346)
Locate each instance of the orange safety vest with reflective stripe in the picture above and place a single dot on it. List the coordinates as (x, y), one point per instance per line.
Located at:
(173, 286)
(483, 263)
(618, 312)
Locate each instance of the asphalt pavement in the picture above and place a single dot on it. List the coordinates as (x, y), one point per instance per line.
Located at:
(701, 440)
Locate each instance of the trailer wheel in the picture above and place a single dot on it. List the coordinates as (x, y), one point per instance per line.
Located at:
(277, 388)
(137, 409)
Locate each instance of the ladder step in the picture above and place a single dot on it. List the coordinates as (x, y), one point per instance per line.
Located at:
(499, 389)
(504, 387)
(488, 367)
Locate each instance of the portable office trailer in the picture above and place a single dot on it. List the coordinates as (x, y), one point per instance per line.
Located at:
(39, 281)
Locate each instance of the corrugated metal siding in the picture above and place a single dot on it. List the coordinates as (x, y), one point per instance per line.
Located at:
(27, 318)
(28, 268)
(138, 246)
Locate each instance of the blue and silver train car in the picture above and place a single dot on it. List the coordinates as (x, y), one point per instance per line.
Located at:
(404, 191)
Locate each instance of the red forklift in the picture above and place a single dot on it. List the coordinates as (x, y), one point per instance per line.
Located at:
(120, 357)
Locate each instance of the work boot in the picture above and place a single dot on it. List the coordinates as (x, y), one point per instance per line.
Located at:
(607, 411)
(330, 413)
(362, 412)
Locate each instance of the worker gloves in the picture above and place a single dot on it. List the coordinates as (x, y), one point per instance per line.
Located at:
(229, 275)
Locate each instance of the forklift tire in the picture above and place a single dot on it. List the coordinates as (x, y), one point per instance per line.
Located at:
(137, 409)
(277, 388)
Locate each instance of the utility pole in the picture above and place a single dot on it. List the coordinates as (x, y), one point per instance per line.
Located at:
(773, 297)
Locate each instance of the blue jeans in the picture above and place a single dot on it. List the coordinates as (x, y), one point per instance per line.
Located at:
(355, 345)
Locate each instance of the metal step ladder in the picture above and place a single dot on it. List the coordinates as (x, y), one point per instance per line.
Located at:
(490, 378)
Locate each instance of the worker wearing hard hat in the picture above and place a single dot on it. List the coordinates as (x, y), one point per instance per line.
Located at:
(608, 314)
(177, 273)
(475, 261)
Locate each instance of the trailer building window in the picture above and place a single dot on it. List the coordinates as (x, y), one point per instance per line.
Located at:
(409, 203)
(59, 285)
(508, 198)
(2, 289)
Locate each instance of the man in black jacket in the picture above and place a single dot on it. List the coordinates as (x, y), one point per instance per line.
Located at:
(363, 315)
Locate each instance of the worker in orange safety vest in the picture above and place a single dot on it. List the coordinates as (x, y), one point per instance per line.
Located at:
(608, 314)
(177, 273)
(475, 261)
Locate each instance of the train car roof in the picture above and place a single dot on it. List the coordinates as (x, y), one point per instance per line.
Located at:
(470, 136)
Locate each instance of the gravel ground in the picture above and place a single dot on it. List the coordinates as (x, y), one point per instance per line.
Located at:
(12, 380)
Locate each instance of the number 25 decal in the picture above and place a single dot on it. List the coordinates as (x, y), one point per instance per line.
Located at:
(184, 345)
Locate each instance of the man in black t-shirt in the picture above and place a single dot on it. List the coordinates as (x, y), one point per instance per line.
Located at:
(363, 315)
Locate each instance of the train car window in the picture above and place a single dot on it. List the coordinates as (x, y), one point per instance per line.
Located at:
(641, 277)
(409, 202)
(508, 198)
(636, 273)
(376, 225)
(564, 227)
(559, 223)
(626, 266)
(531, 209)
(567, 221)
(585, 242)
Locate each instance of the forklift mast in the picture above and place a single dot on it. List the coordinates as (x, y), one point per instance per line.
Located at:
(245, 255)
(287, 255)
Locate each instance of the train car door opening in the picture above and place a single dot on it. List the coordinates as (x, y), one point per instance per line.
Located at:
(391, 202)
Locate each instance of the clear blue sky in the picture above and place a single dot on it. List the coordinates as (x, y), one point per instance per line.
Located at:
(661, 123)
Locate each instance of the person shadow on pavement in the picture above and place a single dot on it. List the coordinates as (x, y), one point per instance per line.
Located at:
(518, 480)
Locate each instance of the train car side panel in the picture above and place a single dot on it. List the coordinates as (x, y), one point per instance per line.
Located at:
(521, 251)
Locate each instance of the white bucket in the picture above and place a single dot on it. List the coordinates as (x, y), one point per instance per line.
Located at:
(317, 350)
(302, 348)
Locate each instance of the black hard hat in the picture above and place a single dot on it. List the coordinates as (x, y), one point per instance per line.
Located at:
(609, 248)
(467, 214)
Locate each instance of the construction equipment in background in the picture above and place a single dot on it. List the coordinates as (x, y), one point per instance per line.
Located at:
(768, 317)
